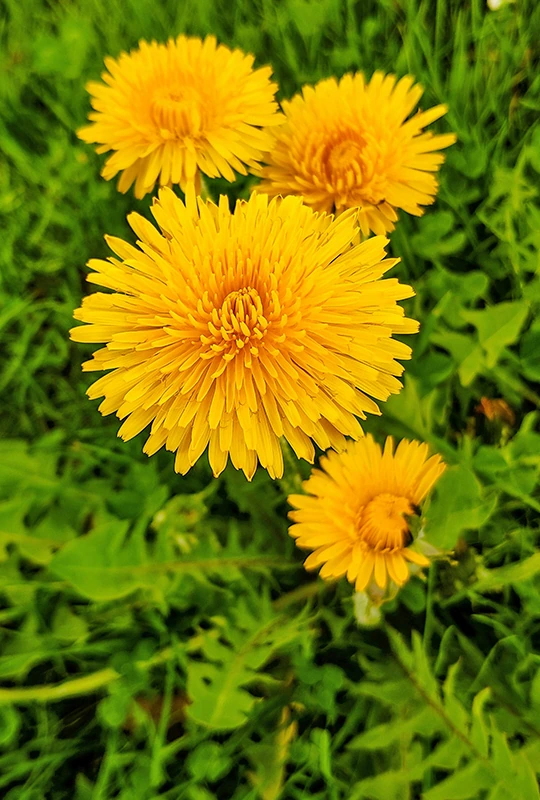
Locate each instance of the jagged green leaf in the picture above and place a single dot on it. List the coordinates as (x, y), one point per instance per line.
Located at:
(232, 654)
(465, 784)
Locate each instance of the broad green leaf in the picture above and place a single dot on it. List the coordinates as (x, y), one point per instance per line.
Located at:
(525, 785)
(525, 446)
(433, 369)
(490, 462)
(114, 708)
(499, 791)
(22, 652)
(208, 762)
(531, 752)
(64, 54)
(498, 326)
(448, 755)
(466, 288)
(69, 627)
(490, 579)
(108, 564)
(459, 504)
(465, 784)
(24, 470)
(103, 565)
(391, 693)
(36, 544)
(471, 161)
(467, 354)
(413, 596)
(389, 785)
(310, 19)
(437, 235)
(471, 366)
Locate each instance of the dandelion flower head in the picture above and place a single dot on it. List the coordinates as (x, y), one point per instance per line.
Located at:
(170, 112)
(231, 330)
(354, 515)
(349, 144)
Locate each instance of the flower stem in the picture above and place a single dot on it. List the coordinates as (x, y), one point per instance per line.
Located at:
(292, 479)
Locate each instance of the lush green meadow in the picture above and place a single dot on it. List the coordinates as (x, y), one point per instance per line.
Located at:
(159, 636)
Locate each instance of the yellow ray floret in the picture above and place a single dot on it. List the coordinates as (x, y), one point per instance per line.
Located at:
(232, 330)
(349, 144)
(354, 515)
(173, 111)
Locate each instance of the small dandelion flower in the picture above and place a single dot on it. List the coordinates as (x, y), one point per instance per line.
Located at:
(349, 144)
(232, 330)
(354, 515)
(172, 111)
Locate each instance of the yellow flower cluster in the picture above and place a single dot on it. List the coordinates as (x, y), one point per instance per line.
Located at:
(232, 331)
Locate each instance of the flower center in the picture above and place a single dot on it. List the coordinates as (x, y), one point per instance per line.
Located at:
(344, 163)
(381, 523)
(178, 113)
(239, 323)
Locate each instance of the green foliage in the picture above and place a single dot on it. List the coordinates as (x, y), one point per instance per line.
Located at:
(232, 657)
(159, 637)
(471, 756)
(460, 504)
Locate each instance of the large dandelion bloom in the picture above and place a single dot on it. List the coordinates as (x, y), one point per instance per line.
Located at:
(170, 112)
(354, 516)
(349, 144)
(233, 330)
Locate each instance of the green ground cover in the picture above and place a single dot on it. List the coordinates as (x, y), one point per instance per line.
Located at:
(159, 636)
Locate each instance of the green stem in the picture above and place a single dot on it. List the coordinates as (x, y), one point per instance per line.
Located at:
(205, 192)
(300, 594)
(429, 624)
(78, 687)
(52, 693)
(292, 479)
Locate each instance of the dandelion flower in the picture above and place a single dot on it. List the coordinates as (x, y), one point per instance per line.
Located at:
(232, 330)
(172, 111)
(354, 515)
(349, 144)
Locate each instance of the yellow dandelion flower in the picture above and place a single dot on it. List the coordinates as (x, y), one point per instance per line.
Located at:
(232, 330)
(172, 111)
(354, 516)
(349, 144)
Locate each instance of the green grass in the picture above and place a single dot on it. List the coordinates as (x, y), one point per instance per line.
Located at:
(178, 649)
